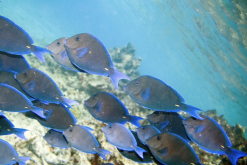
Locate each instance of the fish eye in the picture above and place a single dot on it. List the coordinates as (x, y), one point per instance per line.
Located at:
(109, 126)
(94, 97)
(70, 130)
(77, 38)
(58, 43)
(137, 82)
(143, 128)
(158, 137)
(25, 74)
(157, 113)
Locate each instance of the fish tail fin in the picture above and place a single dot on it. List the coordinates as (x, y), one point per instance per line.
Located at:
(68, 102)
(20, 132)
(102, 152)
(38, 111)
(134, 120)
(22, 159)
(115, 76)
(139, 151)
(233, 154)
(190, 110)
(39, 52)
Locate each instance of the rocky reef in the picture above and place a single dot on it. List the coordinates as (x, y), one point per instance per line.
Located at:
(79, 87)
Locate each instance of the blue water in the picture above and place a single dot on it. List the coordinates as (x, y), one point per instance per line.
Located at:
(195, 46)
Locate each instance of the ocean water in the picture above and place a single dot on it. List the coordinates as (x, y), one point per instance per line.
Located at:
(198, 47)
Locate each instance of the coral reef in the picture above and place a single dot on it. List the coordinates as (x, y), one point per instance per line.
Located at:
(79, 87)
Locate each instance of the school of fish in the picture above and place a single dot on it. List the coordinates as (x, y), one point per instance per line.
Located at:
(32, 92)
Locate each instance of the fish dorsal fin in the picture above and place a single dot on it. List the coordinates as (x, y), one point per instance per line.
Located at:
(163, 124)
(163, 151)
(145, 94)
(30, 85)
(88, 128)
(98, 106)
(199, 128)
(82, 51)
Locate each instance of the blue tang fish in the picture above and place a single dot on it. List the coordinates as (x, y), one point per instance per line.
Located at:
(171, 149)
(7, 128)
(12, 100)
(147, 156)
(152, 93)
(8, 154)
(56, 139)
(211, 137)
(89, 54)
(168, 122)
(13, 62)
(7, 77)
(58, 117)
(119, 136)
(14, 40)
(59, 54)
(146, 132)
(107, 108)
(40, 86)
(80, 138)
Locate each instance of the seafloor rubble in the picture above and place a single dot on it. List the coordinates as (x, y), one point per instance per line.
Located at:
(80, 86)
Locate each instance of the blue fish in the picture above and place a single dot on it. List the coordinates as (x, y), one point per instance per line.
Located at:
(14, 40)
(7, 77)
(59, 54)
(211, 137)
(171, 149)
(40, 86)
(58, 117)
(119, 136)
(13, 62)
(168, 122)
(8, 154)
(146, 132)
(80, 138)
(12, 100)
(56, 139)
(89, 54)
(152, 93)
(147, 156)
(7, 128)
(107, 108)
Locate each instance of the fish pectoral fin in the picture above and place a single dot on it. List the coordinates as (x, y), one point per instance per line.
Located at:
(163, 151)
(30, 85)
(98, 106)
(47, 113)
(82, 51)
(64, 55)
(163, 124)
(145, 94)
(199, 128)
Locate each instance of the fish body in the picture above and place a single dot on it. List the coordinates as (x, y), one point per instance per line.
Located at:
(80, 138)
(145, 132)
(12, 100)
(58, 117)
(40, 86)
(147, 156)
(153, 93)
(168, 122)
(211, 137)
(107, 108)
(59, 54)
(14, 40)
(56, 139)
(13, 62)
(8, 154)
(89, 54)
(119, 136)
(7, 77)
(171, 149)
(7, 128)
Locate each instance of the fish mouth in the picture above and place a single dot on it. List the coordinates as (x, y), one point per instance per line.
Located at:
(88, 105)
